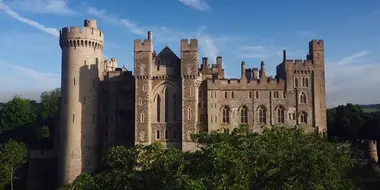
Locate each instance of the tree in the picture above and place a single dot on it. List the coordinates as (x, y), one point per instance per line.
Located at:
(49, 107)
(13, 155)
(278, 158)
(15, 113)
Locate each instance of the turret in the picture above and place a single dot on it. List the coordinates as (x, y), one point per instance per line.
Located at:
(263, 71)
(189, 74)
(243, 75)
(143, 62)
(82, 68)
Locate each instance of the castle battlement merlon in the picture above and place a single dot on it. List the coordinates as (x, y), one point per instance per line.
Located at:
(299, 64)
(145, 45)
(186, 46)
(252, 84)
(77, 33)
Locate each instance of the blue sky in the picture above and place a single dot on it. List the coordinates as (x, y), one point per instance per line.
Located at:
(249, 30)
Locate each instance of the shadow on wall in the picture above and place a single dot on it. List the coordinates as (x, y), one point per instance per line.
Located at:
(89, 99)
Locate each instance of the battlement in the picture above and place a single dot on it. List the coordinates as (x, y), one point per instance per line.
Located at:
(186, 46)
(146, 45)
(237, 84)
(316, 45)
(88, 32)
(299, 62)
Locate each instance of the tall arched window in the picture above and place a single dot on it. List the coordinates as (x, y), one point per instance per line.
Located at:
(280, 114)
(225, 115)
(303, 117)
(174, 101)
(244, 115)
(262, 114)
(303, 82)
(306, 82)
(158, 101)
(296, 82)
(166, 105)
(188, 113)
(303, 98)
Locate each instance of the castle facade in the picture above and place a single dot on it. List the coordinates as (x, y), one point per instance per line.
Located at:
(169, 97)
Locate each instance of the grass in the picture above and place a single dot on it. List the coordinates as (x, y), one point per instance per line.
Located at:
(369, 110)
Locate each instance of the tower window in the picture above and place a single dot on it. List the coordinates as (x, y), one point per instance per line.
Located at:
(225, 95)
(158, 134)
(74, 82)
(257, 94)
(73, 118)
(166, 134)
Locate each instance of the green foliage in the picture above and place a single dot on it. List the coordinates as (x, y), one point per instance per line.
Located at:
(278, 158)
(13, 155)
(50, 103)
(15, 113)
(82, 182)
(350, 122)
(42, 132)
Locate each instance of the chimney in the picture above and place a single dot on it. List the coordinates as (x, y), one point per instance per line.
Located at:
(149, 35)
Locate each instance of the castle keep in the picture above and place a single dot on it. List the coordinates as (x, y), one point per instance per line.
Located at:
(169, 97)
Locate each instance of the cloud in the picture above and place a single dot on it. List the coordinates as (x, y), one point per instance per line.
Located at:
(200, 5)
(352, 79)
(24, 81)
(208, 44)
(43, 6)
(15, 15)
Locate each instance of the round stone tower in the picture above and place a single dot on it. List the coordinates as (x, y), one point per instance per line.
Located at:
(82, 66)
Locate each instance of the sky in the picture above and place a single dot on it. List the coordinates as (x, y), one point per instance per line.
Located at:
(240, 30)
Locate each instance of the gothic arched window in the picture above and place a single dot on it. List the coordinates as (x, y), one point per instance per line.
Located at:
(174, 100)
(303, 117)
(262, 114)
(303, 98)
(158, 101)
(225, 114)
(244, 115)
(166, 105)
(280, 114)
(295, 82)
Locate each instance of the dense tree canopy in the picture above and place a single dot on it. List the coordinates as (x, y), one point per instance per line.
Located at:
(279, 158)
(16, 113)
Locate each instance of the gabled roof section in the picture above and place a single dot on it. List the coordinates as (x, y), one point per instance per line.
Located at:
(167, 52)
(167, 56)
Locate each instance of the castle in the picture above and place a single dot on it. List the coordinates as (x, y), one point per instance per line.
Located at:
(170, 97)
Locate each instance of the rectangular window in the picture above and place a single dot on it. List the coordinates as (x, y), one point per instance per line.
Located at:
(250, 94)
(284, 94)
(74, 81)
(232, 95)
(73, 118)
(166, 134)
(257, 94)
(158, 134)
(225, 95)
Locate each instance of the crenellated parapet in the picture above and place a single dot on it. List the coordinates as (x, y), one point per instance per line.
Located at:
(269, 83)
(186, 46)
(87, 36)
